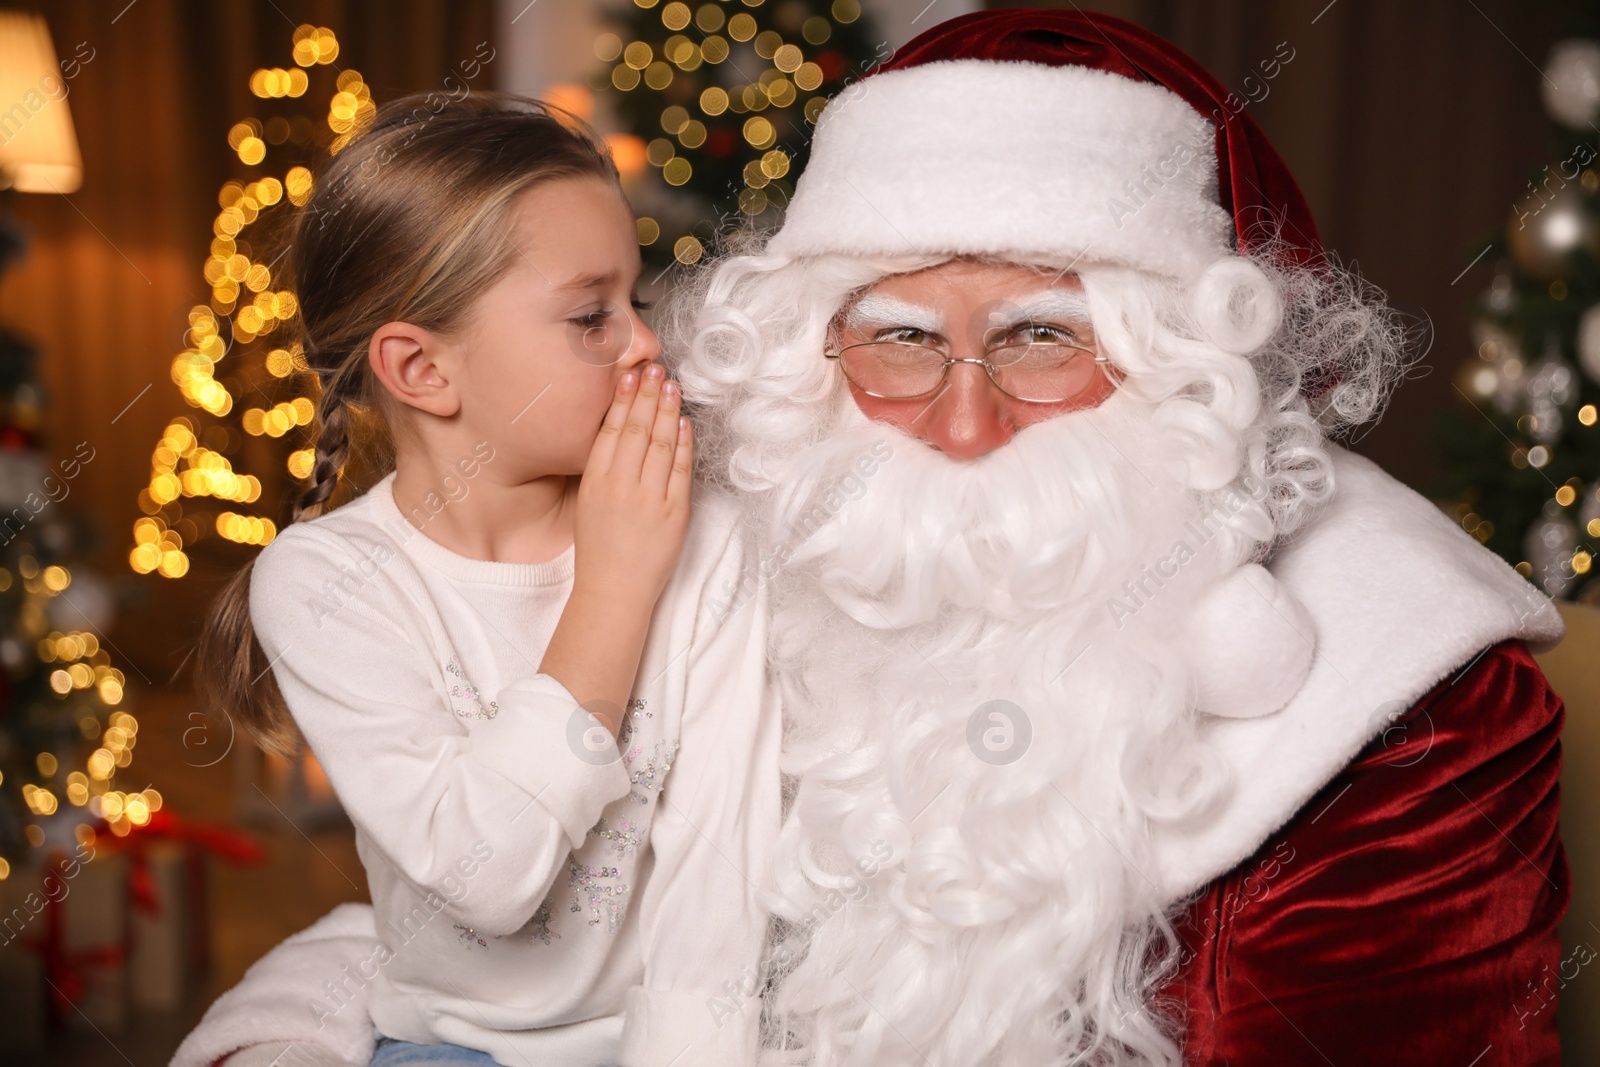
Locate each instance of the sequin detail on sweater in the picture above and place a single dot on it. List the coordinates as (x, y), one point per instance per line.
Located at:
(621, 839)
(631, 720)
(650, 776)
(539, 929)
(469, 937)
(465, 700)
(601, 889)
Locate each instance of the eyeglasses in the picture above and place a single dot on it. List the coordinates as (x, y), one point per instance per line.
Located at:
(1039, 372)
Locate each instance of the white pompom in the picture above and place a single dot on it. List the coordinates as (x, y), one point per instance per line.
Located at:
(1251, 644)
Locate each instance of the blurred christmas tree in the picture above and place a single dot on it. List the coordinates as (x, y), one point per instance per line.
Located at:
(64, 733)
(722, 97)
(1524, 469)
(195, 493)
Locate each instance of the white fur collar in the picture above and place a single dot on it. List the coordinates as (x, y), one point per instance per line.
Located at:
(1399, 596)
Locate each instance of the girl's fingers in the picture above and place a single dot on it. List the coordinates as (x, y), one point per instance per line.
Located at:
(682, 462)
(663, 441)
(637, 431)
(605, 443)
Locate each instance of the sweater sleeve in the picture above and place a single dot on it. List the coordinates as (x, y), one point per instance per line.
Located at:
(1408, 913)
(703, 928)
(504, 801)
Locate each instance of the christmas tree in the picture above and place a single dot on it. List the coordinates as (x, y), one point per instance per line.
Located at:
(195, 493)
(724, 95)
(64, 732)
(1523, 461)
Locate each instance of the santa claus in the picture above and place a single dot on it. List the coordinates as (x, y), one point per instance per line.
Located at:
(1131, 720)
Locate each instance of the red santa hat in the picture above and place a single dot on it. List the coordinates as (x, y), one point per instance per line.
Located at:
(1061, 134)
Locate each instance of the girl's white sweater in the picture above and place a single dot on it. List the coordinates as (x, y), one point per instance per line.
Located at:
(541, 892)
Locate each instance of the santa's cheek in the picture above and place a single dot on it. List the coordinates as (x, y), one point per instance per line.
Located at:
(901, 414)
(1024, 414)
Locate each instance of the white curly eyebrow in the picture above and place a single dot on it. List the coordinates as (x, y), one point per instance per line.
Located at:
(878, 310)
(1060, 304)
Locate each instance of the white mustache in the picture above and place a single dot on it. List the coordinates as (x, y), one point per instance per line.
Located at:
(1017, 532)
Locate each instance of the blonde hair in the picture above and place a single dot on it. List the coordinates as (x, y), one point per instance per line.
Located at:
(408, 222)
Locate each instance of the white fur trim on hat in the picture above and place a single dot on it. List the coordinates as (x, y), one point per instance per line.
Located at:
(968, 156)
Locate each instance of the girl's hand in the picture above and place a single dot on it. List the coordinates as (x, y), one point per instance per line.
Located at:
(633, 512)
(633, 499)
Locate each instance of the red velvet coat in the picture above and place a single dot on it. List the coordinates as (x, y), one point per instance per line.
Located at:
(1407, 913)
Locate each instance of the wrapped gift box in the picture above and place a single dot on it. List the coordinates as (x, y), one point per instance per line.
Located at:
(22, 1008)
(70, 917)
(85, 944)
(168, 944)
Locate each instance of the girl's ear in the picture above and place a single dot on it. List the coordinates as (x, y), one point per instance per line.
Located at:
(407, 361)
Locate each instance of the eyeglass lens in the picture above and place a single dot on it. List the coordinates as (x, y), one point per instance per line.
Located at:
(1040, 371)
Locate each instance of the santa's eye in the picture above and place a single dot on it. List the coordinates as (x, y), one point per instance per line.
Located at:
(1036, 333)
(908, 334)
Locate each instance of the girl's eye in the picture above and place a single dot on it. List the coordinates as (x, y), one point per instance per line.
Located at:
(599, 317)
(641, 305)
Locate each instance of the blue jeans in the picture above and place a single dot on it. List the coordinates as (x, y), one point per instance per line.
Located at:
(392, 1053)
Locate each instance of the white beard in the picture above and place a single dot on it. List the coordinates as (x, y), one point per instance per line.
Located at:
(956, 894)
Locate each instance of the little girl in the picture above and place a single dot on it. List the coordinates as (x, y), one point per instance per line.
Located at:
(508, 654)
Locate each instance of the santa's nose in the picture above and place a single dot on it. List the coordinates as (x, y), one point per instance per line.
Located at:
(968, 416)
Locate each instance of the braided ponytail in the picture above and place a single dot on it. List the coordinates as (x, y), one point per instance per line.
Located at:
(405, 224)
(332, 447)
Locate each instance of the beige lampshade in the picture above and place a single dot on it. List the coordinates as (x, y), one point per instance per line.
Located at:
(38, 149)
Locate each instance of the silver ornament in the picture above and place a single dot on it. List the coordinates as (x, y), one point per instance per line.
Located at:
(1549, 387)
(1498, 376)
(1502, 292)
(1589, 343)
(1571, 82)
(1548, 225)
(1549, 546)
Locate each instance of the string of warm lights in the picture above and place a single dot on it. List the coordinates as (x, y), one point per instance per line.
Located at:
(190, 465)
(82, 685)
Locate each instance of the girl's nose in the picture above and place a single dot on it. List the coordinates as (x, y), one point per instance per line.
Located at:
(967, 418)
(643, 346)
